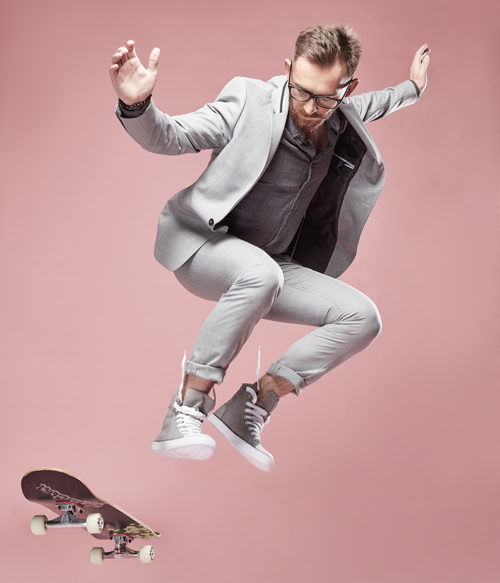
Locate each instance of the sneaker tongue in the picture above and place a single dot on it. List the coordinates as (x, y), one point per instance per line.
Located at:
(194, 398)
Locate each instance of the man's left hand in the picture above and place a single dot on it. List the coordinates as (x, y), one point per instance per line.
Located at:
(418, 69)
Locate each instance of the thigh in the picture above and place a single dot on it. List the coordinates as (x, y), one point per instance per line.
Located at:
(315, 299)
(215, 267)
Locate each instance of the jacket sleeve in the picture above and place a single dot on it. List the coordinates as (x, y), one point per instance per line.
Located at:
(377, 104)
(209, 127)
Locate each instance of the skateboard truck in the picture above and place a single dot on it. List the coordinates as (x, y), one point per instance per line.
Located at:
(121, 551)
(94, 522)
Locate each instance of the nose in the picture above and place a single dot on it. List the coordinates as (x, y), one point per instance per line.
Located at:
(310, 107)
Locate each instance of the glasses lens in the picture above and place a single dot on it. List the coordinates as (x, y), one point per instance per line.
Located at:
(299, 95)
(332, 103)
(327, 103)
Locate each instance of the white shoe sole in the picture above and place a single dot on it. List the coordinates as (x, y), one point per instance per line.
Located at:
(258, 457)
(193, 447)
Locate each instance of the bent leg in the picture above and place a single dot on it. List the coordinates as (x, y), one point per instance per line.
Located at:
(347, 320)
(245, 281)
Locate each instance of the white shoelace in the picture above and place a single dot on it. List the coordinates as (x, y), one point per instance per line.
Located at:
(258, 368)
(255, 416)
(188, 419)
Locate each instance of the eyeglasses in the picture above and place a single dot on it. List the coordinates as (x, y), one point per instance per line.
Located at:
(323, 101)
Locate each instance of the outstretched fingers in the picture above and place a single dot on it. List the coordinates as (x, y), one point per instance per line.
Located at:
(116, 62)
(124, 53)
(422, 55)
(121, 56)
(154, 58)
(116, 58)
(130, 44)
(113, 71)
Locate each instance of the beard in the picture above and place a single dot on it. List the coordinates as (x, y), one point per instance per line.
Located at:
(309, 124)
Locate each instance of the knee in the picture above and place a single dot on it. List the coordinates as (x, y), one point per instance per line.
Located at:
(367, 319)
(363, 317)
(372, 321)
(264, 279)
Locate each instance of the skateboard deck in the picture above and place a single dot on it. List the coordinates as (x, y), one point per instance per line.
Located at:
(64, 493)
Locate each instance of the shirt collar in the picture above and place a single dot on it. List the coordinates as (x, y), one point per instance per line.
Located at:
(333, 125)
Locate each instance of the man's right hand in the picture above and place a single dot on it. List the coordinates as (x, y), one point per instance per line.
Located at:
(131, 81)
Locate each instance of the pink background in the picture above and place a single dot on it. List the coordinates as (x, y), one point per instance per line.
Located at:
(388, 469)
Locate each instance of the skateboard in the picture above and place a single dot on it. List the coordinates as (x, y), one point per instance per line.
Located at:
(77, 506)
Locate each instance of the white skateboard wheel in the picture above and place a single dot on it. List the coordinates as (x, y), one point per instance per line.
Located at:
(95, 523)
(38, 525)
(146, 554)
(97, 556)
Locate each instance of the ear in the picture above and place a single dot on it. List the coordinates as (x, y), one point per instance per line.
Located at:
(352, 87)
(288, 64)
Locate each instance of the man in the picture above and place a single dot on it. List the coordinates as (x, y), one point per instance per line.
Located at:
(270, 224)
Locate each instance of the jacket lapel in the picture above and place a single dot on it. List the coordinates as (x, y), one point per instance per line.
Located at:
(279, 100)
(353, 118)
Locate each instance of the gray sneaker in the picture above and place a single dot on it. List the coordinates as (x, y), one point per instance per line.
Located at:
(241, 420)
(181, 435)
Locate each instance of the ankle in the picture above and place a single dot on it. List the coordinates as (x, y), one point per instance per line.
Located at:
(277, 385)
(194, 382)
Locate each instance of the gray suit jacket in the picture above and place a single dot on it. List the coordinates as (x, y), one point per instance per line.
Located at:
(243, 128)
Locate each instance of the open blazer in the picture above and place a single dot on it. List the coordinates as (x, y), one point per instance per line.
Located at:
(243, 128)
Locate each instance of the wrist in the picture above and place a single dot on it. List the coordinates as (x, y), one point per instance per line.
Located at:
(417, 88)
(135, 106)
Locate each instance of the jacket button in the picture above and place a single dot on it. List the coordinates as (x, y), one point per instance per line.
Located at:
(211, 222)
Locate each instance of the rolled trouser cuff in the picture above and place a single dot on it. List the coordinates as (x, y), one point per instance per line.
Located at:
(279, 370)
(205, 371)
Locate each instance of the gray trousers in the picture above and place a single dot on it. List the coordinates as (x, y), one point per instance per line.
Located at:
(248, 284)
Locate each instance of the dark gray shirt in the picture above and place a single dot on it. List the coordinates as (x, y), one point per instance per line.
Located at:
(271, 213)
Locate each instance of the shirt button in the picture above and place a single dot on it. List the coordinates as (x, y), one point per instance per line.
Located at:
(211, 222)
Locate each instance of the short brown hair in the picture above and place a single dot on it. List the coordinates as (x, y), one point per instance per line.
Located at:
(323, 45)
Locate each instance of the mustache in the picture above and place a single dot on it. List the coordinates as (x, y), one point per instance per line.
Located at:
(316, 116)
